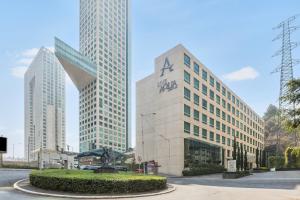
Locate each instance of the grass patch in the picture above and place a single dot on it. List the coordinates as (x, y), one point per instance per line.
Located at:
(99, 183)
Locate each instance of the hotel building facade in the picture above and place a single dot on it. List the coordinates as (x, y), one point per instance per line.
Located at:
(101, 73)
(186, 114)
(44, 96)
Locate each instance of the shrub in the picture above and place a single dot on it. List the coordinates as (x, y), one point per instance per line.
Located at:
(276, 161)
(292, 157)
(203, 169)
(234, 175)
(88, 182)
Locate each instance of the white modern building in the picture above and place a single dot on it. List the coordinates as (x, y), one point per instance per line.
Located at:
(101, 73)
(44, 88)
(186, 115)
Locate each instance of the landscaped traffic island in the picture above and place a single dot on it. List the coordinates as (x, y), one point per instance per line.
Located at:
(78, 181)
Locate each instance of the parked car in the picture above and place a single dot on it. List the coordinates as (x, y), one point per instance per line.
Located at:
(90, 167)
(121, 168)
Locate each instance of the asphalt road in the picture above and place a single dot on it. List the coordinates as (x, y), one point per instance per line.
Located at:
(264, 186)
(9, 176)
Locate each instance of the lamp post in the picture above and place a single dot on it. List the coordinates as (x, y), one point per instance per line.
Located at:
(143, 143)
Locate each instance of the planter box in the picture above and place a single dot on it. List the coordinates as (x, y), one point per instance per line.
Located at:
(235, 175)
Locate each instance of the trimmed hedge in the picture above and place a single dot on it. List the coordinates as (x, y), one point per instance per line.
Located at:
(260, 169)
(235, 175)
(203, 170)
(87, 182)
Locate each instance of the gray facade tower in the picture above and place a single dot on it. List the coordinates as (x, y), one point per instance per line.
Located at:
(44, 88)
(101, 73)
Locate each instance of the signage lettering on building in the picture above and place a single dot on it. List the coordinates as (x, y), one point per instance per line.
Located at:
(165, 85)
(166, 66)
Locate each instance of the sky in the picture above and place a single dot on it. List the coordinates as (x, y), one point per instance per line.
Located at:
(232, 38)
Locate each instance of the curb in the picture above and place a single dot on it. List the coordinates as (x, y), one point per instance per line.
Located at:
(171, 188)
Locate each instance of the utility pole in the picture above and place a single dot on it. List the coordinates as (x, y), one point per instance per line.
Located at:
(286, 67)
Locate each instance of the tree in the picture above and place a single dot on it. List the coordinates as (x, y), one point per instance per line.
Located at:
(292, 114)
(245, 161)
(238, 159)
(242, 157)
(264, 159)
(260, 157)
(234, 149)
(256, 158)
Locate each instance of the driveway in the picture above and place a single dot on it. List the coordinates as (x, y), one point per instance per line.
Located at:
(260, 186)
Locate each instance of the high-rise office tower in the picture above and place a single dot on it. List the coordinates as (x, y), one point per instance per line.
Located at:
(101, 73)
(44, 88)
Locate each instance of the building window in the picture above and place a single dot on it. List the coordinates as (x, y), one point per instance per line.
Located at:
(218, 99)
(211, 122)
(223, 103)
(204, 75)
(211, 109)
(204, 119)
(196, 68)
(204, 89)
(187, 60)
(187, 127)
(196, 115)
(187, 94)
(228, 130)
(204, 133)
(211, 136)
(228, 118)
(187, 77)
(211, 95)
(228, 142)
(218, 111)
(223, 128)
(217, 138)
(196, 130)
(204, 104)
(196, 99)
(228, 95)
(196, 84)
(218, 86)
(223, 91)
(187, 110)
(218, 125)
(223, 140)
(223, 115)
(211, 81)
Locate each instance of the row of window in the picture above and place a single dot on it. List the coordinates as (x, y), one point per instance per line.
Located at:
(205, 134)
(219, 88)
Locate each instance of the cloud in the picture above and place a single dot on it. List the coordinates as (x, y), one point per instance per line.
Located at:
(29, 52)
(25, 59)
(18, 72)
(246, 73)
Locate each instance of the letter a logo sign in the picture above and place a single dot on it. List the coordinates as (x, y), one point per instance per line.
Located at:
(166, 66)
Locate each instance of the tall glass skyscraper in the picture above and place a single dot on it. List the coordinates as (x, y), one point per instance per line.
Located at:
(44, 87)
(101, 73)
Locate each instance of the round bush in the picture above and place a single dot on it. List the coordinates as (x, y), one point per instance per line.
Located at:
(88, 182)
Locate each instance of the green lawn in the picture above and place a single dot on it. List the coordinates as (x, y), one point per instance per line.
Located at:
(87, 174)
